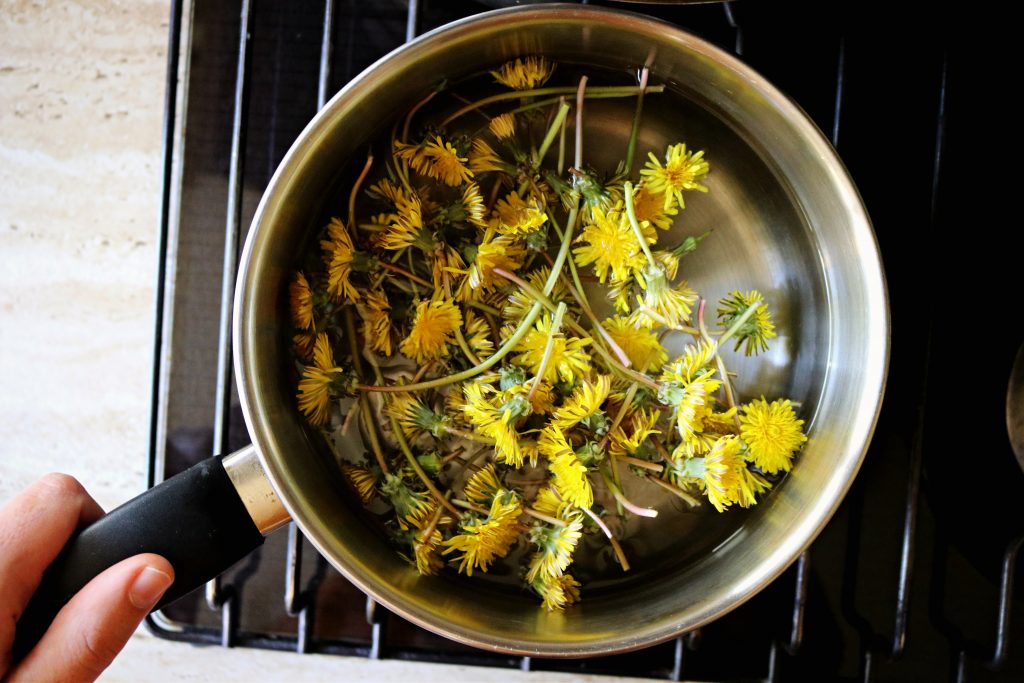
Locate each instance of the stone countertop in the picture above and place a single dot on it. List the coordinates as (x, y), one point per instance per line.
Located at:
(81, 107)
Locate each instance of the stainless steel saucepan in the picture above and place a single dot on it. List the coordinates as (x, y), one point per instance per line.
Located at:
(787, 220)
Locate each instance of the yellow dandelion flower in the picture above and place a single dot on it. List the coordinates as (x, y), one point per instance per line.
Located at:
(611, 245)
(548, 502)
(444, 163)
(556, 545)
(619, 292)
(757, 330)
(518, 302)
(691, 401)
(483, 541)
(411, 507)
(483, 158)
(362, 480)
(663, 304)
(496, 421)
(447, 262)
(641, 424)
(473, 205)
(570, 475)
(568, 358)
(433, 328)
(338, 254)
(405, 225)
(415, 418)
(585, 400)
(694, 359)
(558, 592)
(385, 189)
(483, 486)
(503, 126)
(751, 485)
(315, 386)
(543, 399)
(654, 206)
(721, 423)
(426, 552)
(518, 216)
(376, 326)
(300, 296)
(681, 171)
(639, 343)
(773, 434)
(723, 467)
(524, 74)
(478, 336)
(503, 251)
(303, 343)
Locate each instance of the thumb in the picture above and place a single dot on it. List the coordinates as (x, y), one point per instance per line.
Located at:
(96, 623)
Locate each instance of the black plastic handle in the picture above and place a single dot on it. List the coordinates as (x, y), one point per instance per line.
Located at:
(195, 519)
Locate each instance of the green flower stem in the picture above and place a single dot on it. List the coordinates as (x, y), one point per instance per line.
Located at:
(482, 307)
(364, 404)
(561, 145)
(469, 436)
(631, 147)
(563, 110)
(402, 271)
(549, 347)
(627, 191)
(737, 324)
(621, 498)
(428, 530)
(412, 266)
(355, 189)
(403, 444)
(580, 95)
(730, 399)
(644, 464)
(693, 502)
(542, 517)
(524, 327)
(593, 93)
(466, 505)
(461, 339)
(412, 112)
(621, 415)
(611, 538)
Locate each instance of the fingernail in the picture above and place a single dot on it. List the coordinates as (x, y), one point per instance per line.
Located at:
(148, 586)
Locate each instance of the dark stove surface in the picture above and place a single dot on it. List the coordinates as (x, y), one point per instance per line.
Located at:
(912, 579)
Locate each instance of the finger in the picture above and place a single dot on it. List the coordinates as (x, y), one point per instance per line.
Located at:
(34, 526)
(95, 624)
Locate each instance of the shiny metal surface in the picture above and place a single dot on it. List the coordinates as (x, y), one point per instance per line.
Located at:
(787, 221)
(245, 471)
(1015, 407)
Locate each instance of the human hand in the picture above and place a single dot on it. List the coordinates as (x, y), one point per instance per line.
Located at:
(96, 623)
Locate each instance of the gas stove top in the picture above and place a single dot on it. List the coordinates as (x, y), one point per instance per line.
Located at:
(912, 579)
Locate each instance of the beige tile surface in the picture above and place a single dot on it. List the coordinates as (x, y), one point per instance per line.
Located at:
(81, 105)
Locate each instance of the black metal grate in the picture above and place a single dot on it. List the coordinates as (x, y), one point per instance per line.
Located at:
(902, 585)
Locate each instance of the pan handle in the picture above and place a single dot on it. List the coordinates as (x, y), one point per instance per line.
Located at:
(202, 520)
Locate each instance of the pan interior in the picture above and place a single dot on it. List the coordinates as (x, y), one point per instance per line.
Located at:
(785, 220)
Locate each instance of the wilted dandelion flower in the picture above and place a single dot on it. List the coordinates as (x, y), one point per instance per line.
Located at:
(483, 486)
(515, 215)
(568, 358)
(478, 335)
(473, 205)
(639, 343)
(303, 343)
(556, 545)
(410, 506)
(663, 304)
(338, 254)
(433, 328)
(687, 366)
(570, 478)
(483, 158)
(681, 171)
(558, 592)
(436, 159)
(503, 251)
(754, 334)
(315, 385)
(503, 126)
(723, 467)
(483, 541)
(524, 74)
(690, 401)
(362, 480)
(300, 296)
(496, 421)
(518, 303)
(642, 424)
(585, 400)
(773, 434)
(405, 225)
(414, 417)
(376, 326)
